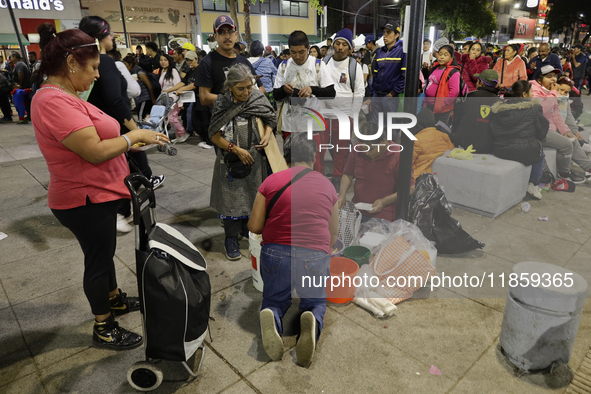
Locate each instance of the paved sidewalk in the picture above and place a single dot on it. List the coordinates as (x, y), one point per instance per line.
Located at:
(45, 322)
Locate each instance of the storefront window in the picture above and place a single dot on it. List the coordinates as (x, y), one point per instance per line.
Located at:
(270, 7)
(217, 5)
(294, 8)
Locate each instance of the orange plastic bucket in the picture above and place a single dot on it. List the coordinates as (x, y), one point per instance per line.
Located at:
(346, 270)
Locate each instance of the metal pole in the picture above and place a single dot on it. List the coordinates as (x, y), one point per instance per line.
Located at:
(343, 16)
(18, 35)
(358, 11)
(411, 87)
(123, 21)
(375, 21)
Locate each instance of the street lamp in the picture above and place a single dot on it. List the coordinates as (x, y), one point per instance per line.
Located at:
(356, 15)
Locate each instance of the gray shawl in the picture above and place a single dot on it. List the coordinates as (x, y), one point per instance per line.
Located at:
(225, 109)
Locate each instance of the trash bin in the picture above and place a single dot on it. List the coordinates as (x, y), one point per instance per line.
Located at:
(541, 321)
(357, 253)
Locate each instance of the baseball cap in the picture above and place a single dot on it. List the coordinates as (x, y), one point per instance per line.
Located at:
(221, 21)
(189, 46)
(391, 26)
(244, 43)
(190, 55)
(268, 48)
(547, 69)
(369, 38)
(488, 77)
(171, 52)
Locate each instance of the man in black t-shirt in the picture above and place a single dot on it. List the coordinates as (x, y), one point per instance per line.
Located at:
(153, 63)
(20, 73)
(211, 73)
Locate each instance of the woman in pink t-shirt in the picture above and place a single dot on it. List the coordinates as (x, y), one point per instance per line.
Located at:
(85, 158)
(298, 232)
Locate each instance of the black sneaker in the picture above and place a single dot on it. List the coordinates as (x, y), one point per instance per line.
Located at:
(122, 304)
(109, 335)
(232, 249)
(157, 181)
(573, 177)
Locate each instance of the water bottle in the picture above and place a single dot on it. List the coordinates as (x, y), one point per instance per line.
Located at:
(525, 207)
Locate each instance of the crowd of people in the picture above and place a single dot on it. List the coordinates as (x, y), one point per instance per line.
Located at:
(510, 102)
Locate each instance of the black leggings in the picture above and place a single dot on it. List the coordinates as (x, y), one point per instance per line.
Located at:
(95, 227)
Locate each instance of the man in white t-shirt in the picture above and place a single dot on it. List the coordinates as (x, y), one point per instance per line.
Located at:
(305, 77)
(349, 85)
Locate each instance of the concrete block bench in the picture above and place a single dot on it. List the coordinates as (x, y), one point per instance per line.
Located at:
(486, 185)
(551, 161)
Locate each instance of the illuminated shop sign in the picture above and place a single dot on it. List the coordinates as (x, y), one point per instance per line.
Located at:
(39, 5)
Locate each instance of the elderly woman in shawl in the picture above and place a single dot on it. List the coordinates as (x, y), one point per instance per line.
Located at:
(239, 167)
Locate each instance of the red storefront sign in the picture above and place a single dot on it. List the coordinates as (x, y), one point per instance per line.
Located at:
(525, 29)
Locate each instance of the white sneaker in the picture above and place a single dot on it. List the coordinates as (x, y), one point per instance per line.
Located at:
(586, 148)
(204, 145)
(183, 138)
(534, 191)
(272, 342)
(307, 343)
(122, 225)
(588, 175)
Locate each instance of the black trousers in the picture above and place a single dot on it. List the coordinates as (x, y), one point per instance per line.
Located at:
(95, 227)
(200, 120)
(5, 104)
(233, 228)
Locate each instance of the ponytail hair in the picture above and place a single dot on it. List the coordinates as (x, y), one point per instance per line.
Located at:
(95, 26)
(56, 47)
(518, 89)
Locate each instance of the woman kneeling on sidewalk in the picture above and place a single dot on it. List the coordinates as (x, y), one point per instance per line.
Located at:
(296, 212)
(85, 158)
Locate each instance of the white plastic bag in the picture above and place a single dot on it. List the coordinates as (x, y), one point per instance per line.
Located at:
(367, 298)
(404, 263)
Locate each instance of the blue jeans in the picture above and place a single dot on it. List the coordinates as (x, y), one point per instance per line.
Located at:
(536, 171)
(579, 83)
(383, 105)
(283, 267)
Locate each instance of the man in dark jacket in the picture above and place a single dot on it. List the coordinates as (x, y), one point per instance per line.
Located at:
(471, 116)
(389, 72)
(579, 61)
(153, 63)
(544, 58)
